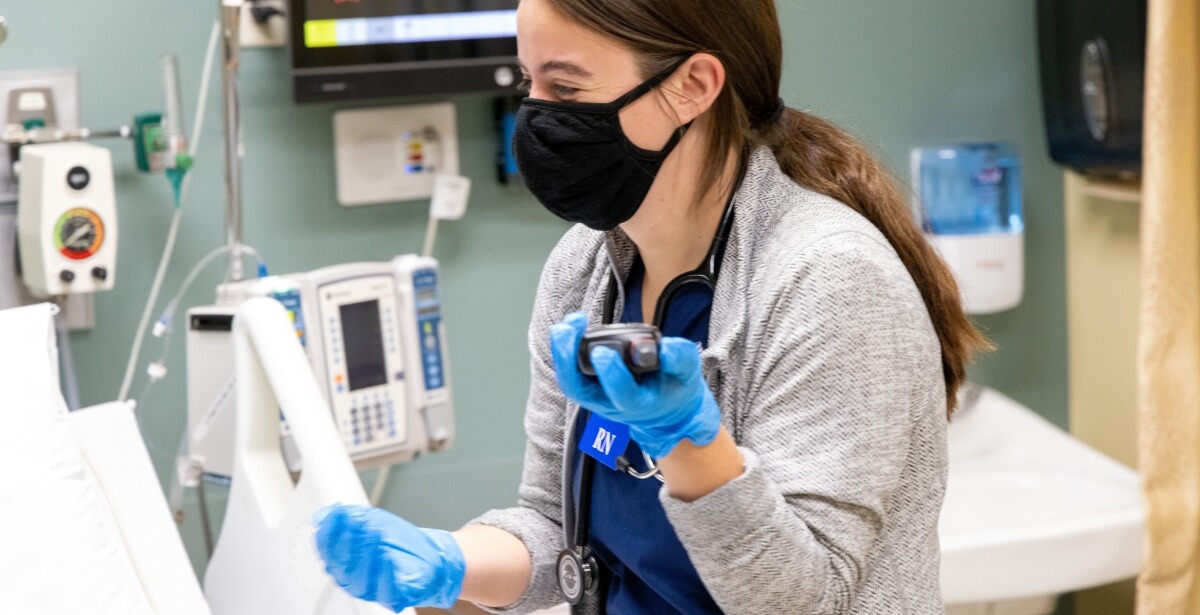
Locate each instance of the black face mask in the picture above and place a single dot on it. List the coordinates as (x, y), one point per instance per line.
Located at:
(577, 161)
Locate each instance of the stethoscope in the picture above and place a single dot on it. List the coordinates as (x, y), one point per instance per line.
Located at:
(578, 569)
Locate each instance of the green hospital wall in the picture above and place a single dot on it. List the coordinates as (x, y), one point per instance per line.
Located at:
(898, 74)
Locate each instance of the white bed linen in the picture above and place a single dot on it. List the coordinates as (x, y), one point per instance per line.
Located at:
(60, 548)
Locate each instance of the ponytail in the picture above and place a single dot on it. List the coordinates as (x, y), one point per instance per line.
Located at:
(825, 158)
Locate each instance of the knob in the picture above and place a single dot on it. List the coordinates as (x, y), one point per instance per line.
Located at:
(100, 273)
(66, 276)
(78, 178)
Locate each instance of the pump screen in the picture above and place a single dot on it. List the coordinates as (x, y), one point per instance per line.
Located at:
(366, 365)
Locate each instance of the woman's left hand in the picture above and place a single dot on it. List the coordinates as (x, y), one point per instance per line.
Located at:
(661, 410)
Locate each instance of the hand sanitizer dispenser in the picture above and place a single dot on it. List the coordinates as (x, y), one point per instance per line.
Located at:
(968, 199)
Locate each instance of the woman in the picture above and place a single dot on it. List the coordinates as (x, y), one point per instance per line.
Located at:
(802, 452)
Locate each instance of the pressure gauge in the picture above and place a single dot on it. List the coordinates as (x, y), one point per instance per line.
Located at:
(79, 233)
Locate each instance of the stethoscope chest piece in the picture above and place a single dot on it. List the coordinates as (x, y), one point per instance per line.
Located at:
(577, 575)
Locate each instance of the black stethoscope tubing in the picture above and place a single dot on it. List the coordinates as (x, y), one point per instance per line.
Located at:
(705, 274)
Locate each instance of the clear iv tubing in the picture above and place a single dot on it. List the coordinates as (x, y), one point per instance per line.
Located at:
(163, 325)
(168, 315)
(67, 360)
(172, 234)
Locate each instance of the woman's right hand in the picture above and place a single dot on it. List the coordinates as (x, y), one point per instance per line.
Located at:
(375, 555)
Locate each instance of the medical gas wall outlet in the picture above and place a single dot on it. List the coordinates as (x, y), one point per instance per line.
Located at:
(67, 219)
(389, 154)
(44, 98)
(970, 206)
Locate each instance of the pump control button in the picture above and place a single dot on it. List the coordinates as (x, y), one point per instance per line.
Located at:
(78, 178)
(100, 273)
(66, 275)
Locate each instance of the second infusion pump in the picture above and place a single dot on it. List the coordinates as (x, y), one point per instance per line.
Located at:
(375, 337)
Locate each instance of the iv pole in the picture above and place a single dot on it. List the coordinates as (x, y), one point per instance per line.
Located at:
(231, 48)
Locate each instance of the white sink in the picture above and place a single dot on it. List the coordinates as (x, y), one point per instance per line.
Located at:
(1030, 511)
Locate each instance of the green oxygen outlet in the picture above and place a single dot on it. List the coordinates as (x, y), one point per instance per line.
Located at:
(149, 144)
(34, 123)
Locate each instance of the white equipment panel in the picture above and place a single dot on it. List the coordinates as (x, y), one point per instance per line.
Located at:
(266, 560)
(364, 370)
(389, 154)
(67, 219)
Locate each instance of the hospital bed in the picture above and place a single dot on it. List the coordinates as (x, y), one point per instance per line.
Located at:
(84, 526)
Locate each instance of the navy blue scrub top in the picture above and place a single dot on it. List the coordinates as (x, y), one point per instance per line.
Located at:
(629, 531)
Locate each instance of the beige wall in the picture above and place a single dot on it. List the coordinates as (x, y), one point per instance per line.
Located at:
(1102, 225)
(1102, 314)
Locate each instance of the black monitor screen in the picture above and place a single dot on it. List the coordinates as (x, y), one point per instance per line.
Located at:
(366, 365)
(393, 47)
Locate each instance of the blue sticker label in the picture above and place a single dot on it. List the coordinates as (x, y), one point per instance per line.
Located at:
(604, 440)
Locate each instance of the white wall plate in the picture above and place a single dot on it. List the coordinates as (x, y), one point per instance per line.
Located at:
(389, 154)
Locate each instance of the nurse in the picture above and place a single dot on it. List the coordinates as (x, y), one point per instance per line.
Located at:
(790, 455)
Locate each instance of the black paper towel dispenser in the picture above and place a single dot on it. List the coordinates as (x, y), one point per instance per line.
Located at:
(1093, 56)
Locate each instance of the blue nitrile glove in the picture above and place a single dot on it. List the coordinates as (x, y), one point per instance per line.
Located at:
(664, 408)
(377, 556)
(564, 349)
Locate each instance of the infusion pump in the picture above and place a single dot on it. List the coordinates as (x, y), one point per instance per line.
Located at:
(375, 338)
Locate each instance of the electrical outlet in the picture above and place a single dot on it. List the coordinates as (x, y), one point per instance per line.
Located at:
(63, 83)
(274, 33)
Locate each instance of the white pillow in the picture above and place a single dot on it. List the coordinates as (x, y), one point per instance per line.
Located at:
(60, 549)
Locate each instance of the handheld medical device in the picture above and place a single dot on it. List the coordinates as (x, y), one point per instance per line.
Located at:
(67, 219)
(375, 338)
(637, 343)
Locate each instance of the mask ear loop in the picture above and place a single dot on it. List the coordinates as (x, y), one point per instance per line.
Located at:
(649, 84)
(636, 93)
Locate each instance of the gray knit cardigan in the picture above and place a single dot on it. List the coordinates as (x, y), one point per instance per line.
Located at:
(828, 372)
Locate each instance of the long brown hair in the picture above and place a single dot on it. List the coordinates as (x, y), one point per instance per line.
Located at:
(745, 36)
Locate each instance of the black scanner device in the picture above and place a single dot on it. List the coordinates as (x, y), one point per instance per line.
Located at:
(637, 343)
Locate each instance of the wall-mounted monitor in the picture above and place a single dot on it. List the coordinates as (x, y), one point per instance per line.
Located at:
(356, 49)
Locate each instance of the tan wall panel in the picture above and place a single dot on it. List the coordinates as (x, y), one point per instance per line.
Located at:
(1102, 223)
(1103, 258)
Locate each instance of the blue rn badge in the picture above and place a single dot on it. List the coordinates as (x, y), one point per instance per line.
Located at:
(604, 440)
